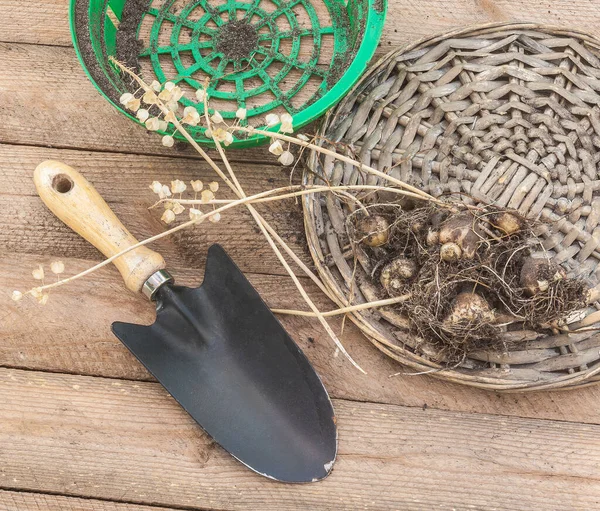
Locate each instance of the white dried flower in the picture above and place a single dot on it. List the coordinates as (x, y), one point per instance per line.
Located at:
(200, 94)
(214, 186)
(133, 104)
(287, 118)
(303, 137)
(217, 118)
(165, 192)
(168, 216)
(169, 86)
(163, 125)
(16, 295)
(272, 120)
(276, 148)
(206, 196)
(126, 98)
(208, 133)
(165, 95)
(197, 185)
(176, 93)
(149, 98)
(196, 214)
(286, 123)
(228, 138)
(178, 208)
(220, 135)
(38, 273)
(143, 114)
(57, 267)
(190, 116)
(215, 217)
(170, 117)
(36, 292)
(286, 158)
(43, 300)
(152, 124)
(241, 113)
(168, 141)
(172, 106)
(156, 187)
(155, 85)
(178, 186)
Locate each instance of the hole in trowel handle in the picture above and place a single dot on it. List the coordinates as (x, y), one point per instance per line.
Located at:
(62, 183)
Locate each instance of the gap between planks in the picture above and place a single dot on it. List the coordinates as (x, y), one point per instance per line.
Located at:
(100, 438)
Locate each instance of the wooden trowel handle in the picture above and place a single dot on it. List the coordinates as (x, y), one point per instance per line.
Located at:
(77, 203)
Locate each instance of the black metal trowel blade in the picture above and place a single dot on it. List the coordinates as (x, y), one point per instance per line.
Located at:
(222, 354)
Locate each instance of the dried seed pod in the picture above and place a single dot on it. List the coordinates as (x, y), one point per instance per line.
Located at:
(537, 273)
(470, 308)
(373, 231)
(508, 223)
(463, 230)
(396, 273)
(450, 252)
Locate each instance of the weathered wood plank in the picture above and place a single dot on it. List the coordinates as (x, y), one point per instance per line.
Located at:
(24, 501)
(123, 180)
(45, 22)
(93, 437)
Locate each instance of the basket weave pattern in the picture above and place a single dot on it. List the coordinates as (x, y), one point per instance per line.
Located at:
(503, 114)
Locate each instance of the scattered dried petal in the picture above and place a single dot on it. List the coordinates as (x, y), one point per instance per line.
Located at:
(178, 186)
(241, 113)
(197, 185)
(38, 273)
(276, 148)
(143, 114)
(286, 158)
(168, 141)
(214, 186)
(16, 295)
(57, 267)
(196, 214)
(215, 217)
(207, 196)
(272, 120)
(168, 216)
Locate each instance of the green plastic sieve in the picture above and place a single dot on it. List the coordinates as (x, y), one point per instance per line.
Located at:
(267, 56)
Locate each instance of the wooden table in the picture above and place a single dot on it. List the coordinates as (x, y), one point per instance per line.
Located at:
(84, 427)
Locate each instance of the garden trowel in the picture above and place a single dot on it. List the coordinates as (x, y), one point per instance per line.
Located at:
(217, 349)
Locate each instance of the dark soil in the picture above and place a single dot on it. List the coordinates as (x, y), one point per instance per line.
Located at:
(237, 40)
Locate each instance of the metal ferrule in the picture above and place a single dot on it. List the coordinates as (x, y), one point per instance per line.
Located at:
(155, 281)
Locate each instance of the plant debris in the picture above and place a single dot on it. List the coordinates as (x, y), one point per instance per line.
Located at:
(470, 274)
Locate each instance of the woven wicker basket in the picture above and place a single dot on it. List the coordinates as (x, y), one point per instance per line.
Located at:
(505, 114)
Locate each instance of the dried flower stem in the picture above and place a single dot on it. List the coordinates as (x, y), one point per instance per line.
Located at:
(345, 310)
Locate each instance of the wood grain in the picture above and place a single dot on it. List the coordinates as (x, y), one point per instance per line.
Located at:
(72, 334)
(24, 501)
(28, 226)
(93, 437)
(46, 21)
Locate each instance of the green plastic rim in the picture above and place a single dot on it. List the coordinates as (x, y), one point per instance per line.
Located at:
(248, 50)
